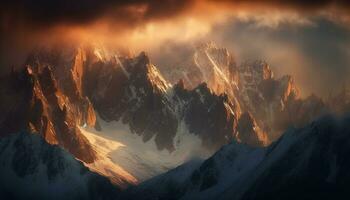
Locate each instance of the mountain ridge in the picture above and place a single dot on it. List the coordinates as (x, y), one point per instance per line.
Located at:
(32, 168)
(304, 163)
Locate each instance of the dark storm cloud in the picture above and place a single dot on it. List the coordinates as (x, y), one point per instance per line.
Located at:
(50, 12)
(26, 23)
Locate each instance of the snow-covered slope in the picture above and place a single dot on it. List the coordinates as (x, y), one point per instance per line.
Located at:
(30, 168)
(121, 151)
(305, 163)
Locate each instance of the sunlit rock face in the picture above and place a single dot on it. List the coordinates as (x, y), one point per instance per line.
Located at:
(206, 63)
(33, 102)
(67, 68)
(264, 96)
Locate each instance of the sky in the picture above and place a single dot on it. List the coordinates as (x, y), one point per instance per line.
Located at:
(307, 39)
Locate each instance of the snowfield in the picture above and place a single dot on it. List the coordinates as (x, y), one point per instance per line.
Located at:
(124, 155)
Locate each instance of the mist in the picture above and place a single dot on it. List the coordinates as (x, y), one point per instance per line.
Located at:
(315, 51)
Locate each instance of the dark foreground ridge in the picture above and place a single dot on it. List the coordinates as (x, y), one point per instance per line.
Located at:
(307, 163)
(30, 168)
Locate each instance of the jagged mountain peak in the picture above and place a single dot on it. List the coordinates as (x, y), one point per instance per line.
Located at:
(212, 47)
(143, 58)
(259, 69)
(249, 132)
(203, 87)
(105, 53)
(205, 45)
(134, 67)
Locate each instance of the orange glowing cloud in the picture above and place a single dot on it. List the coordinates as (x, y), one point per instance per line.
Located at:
(139, 24)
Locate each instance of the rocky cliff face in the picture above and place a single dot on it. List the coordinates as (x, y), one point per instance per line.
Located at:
(68, 69)
(207, 115)
(248, 131)
(265, 97)
(35, 101)
(132, 90)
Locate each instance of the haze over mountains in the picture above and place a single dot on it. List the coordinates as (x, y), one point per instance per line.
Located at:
(129, 120)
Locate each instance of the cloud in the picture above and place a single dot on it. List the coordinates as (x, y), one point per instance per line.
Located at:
(44, 13)
(47, 13)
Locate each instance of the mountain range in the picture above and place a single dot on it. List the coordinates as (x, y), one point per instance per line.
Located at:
(220, 124)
